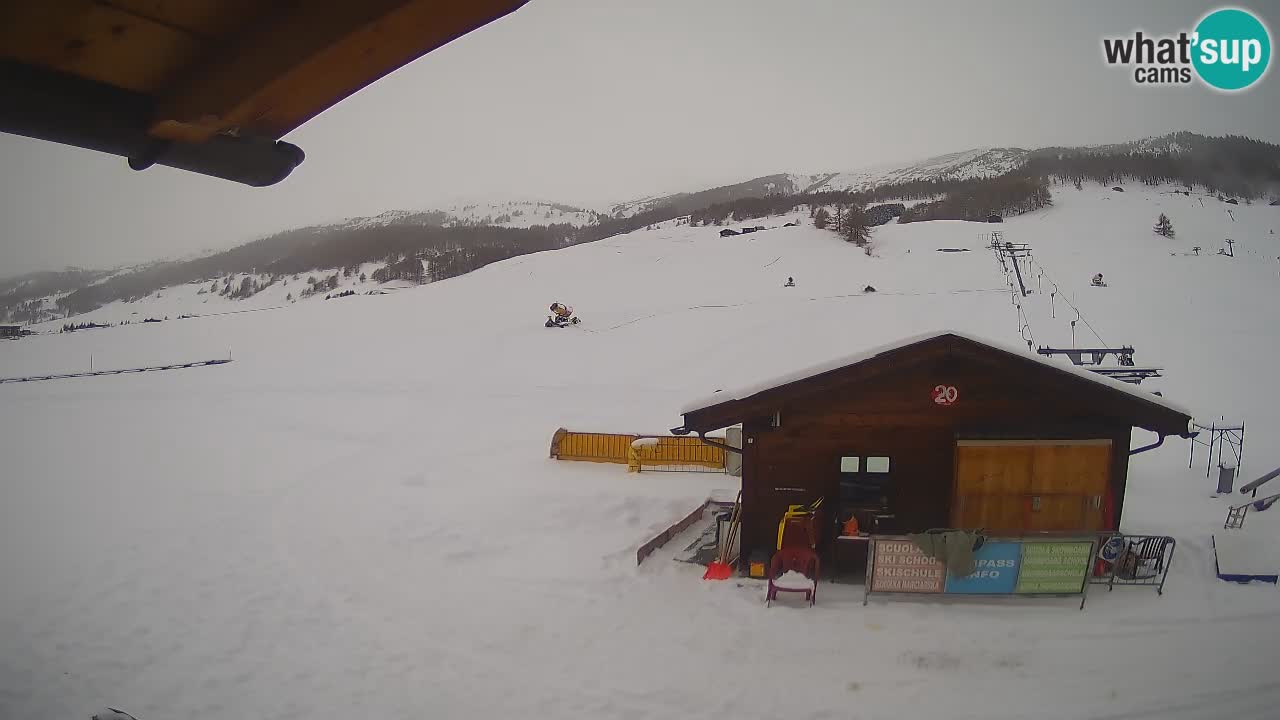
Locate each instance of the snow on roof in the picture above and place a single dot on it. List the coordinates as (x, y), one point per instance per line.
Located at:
(746, 391)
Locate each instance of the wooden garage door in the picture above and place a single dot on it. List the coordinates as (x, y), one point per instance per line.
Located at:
(1021, 486)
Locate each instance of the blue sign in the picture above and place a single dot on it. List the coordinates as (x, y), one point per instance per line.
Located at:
(1111, 549)
(996, 574)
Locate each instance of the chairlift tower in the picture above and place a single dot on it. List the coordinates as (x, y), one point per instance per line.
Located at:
(1219, 439)
(1014, 253)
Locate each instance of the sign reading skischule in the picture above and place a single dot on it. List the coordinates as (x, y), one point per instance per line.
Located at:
(1054, 567)
(901, 567)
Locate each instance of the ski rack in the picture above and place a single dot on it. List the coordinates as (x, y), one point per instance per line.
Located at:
(1091, 359)
(1131, 375)
(1096, 355)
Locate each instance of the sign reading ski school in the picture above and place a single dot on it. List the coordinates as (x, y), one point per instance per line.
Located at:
(1229, 50)
(1003, 567)
(901, 567)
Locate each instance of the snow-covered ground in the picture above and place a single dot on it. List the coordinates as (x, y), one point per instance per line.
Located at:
(357, 517)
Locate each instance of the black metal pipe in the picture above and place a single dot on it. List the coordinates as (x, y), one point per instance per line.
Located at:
(1159, 442)
(69, 110)
(1253, 486)
(705, 440)
(723, 446)
(1145, 448)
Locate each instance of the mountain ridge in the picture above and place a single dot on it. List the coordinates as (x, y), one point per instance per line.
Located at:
(466, 235)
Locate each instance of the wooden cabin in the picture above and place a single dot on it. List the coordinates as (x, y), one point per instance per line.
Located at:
(937, 431)
(10, 331)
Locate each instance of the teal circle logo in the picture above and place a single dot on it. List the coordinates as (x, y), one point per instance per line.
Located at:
(1231, 49)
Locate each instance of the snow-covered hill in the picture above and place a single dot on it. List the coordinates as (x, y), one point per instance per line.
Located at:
(34, 299)
(357, 517)
(206, 298)
(977, 163)
(969, 164)
(687, 201)
(519, 213)
(501, 213)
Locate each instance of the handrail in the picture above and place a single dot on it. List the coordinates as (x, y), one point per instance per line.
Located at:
(1237, 513)
(1253, 486)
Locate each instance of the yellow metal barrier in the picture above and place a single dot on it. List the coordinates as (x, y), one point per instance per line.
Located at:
(660, 453)
(674, 454)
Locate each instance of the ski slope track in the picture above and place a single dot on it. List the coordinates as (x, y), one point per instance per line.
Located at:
(358, 518)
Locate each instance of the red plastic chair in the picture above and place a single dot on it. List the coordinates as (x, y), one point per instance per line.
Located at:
(802, 560)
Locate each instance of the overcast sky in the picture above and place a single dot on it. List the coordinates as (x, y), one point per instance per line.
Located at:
(591, 101)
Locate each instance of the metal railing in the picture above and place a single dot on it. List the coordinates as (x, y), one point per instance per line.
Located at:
(1253, 486)
(1141, 560)
(1237, 514)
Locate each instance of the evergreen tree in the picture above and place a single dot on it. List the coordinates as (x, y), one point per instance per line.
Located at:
(821, 218)
(853, 225)
(1163, 226)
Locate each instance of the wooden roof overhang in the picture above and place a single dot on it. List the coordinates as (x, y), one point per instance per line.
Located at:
(209, 86)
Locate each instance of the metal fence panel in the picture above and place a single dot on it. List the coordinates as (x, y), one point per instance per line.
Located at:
(651, 453)
(1141, 560)
(677, 454)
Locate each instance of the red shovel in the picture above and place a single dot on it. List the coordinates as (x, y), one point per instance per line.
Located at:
(720, 569)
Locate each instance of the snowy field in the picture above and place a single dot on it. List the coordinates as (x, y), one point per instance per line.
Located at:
(357, 517)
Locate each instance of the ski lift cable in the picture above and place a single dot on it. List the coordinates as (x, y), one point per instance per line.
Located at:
(1059, 292)
(1024, 326)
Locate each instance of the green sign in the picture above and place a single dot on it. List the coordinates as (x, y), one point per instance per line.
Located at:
(1054, 567)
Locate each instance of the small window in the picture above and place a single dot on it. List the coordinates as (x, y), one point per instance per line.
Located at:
(877, 464)
(849, 464)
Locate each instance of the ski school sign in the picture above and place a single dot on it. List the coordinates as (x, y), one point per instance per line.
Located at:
(1015, 566)
(1229, 50)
